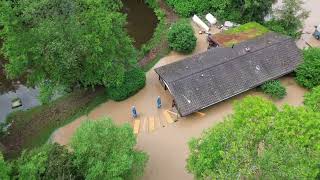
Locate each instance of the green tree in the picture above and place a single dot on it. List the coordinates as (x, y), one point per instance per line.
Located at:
(259, 141)
(241, 11)
(5, 169)
(289, 18)
(274, 88)
(312, 99)
(50, 161)
(63, 43)
(181, 37)
(105, 151)
(308, 71)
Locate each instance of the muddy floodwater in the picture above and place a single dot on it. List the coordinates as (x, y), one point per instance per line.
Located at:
(142, 21)
(167, 143)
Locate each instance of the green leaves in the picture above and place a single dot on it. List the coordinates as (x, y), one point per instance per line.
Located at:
(274, 88)
(68, 43)
(50, 161)
(259, 141)
(288, 19)
(312, 99)
(5, 169)
(231, 10)
(105, 151)
(181, 37)
(308, 73)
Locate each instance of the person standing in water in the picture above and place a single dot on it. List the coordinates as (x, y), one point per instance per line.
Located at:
(134, 112)
(159, 102)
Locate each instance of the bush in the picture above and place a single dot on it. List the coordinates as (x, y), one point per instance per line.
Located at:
(181, 37)
(274, 89)
(312, 99)
(135, 80)
(308, 73)
(103, 150)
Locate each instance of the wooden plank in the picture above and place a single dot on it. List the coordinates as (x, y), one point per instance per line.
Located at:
(167, 117)
(200, 114)
(136, 126)
(151, 124)
(173, 113)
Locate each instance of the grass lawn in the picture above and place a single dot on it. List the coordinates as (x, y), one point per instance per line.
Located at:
(241, 33)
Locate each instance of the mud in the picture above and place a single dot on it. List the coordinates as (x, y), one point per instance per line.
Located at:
(167, 146)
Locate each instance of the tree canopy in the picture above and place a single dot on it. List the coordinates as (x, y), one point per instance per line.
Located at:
(99, 150)
(308, 71)
(289, 18)
(181, 37)
(64, 43)
(232, 10)
(105, 151)
(259, 141)
(312, 99)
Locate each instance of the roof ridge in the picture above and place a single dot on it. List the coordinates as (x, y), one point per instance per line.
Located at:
(232, 59)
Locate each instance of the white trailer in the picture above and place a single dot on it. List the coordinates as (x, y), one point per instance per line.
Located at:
(200, 23)
(211, 19)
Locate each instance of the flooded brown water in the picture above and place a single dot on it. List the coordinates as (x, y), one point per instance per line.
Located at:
(167, 146)
(142, 21)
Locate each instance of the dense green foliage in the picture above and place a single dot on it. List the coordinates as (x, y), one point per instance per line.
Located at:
(105, 151)
(134, 80)
(51, 161)
(100, 150)
(259, 141)
(66, 43)
(5, 169)
(274, 88)
(289, 18)
(308, 73)
(312, 99)
(181, 37)
(233, 10)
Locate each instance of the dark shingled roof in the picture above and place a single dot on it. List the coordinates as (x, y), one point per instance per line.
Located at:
(220, 73)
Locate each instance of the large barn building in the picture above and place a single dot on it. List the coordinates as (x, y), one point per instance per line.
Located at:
(221, 73)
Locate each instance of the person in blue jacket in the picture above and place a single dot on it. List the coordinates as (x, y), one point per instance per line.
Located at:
(134, 112)
(159, 102)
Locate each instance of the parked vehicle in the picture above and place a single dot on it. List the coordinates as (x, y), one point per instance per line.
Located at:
(316, 33)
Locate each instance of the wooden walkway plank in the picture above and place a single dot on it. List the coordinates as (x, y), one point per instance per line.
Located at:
(136, 126)
(167, 117)
(151, 124)
(200, 114)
